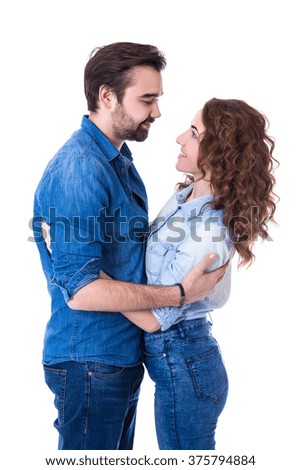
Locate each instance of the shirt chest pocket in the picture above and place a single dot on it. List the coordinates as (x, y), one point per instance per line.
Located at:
(158, 257)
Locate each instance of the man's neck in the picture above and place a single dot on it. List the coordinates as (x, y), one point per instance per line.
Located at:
(106, 128)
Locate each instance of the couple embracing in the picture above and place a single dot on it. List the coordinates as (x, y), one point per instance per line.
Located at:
(124, 294)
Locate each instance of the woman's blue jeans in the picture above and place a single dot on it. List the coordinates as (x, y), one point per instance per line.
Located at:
(96, 404)
(186, 365)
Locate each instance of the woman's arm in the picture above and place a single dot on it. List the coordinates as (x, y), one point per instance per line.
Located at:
(205, 237)
(144, 319)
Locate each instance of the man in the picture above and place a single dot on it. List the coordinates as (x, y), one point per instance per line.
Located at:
(95, 205)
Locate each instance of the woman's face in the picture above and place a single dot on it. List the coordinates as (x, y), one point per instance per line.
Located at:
(189, 142)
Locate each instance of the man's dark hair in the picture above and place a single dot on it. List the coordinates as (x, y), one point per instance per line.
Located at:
(111, 65)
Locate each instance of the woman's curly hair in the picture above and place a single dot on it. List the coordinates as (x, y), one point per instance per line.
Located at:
(238, 153)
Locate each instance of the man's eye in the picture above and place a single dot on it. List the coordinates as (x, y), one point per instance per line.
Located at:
(147, 102)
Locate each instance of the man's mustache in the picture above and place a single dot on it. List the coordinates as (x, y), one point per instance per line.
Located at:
(149, 120)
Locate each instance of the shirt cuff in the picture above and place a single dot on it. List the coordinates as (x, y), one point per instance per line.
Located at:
(69, 285)
(167, 316)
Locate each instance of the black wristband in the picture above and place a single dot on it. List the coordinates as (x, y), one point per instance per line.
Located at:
(182, 290)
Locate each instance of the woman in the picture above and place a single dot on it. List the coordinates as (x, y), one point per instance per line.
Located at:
(223, 206)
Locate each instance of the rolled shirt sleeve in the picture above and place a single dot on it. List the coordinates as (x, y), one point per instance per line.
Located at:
(76, 212)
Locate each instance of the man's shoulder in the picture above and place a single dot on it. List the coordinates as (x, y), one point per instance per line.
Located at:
(79, 145)
(78, 151)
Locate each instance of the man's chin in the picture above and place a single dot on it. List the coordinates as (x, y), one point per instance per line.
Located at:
(140, 136)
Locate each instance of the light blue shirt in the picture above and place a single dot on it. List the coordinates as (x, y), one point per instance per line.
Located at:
(180, 237)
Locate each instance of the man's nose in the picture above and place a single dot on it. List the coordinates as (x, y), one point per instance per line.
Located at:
(155, 112)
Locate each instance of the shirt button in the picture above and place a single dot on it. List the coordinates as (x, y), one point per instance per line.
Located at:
(122, 170)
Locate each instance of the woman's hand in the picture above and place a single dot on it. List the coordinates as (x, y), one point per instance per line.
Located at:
(198, 284)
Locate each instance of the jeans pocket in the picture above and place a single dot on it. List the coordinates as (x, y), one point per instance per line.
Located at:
(149, 355)
(103, 371)
(209, 374)
(56, 381)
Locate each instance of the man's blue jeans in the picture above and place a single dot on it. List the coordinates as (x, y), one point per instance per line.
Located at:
(96, 404)
(191, 384)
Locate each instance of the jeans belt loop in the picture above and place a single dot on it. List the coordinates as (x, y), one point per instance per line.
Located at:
(181, 330)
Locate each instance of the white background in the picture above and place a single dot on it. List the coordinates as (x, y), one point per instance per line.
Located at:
(229, 49)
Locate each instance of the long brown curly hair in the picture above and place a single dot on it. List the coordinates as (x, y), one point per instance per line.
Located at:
(237, 152)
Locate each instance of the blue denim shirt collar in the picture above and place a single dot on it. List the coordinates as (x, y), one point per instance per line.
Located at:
(108, 149)
(194, 207)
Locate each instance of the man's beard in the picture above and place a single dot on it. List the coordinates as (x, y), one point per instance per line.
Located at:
(125, 128)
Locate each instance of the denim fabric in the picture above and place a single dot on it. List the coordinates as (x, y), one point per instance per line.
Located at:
(95, 203)
(180, 237)
(186, 365)
(96, 404)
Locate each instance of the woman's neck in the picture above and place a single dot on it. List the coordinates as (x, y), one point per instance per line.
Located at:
(201, 187)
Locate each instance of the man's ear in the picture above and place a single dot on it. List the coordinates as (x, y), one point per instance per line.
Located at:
(106, 96)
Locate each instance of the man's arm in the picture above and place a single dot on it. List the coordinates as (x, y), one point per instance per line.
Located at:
(107, 295)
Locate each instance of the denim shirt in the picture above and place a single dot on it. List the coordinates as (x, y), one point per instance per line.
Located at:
(180, 237)
(95, 203)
